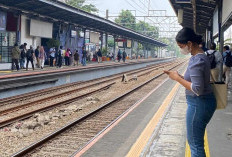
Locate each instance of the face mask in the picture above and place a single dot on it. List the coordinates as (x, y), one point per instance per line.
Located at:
(185, 50)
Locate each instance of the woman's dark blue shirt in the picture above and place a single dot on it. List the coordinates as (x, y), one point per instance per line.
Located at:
(198, 73)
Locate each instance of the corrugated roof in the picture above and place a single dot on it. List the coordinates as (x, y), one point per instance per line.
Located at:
(63, 12)
(204, 12)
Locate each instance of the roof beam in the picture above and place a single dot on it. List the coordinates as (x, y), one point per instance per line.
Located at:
(194, 15)
(206, 5)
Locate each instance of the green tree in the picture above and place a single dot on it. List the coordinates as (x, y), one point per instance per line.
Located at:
(111, 43)
(80, 5)
(147, 29)
(227, 42)
(104, 51)
(126, 19)
(53, 43)
(172, 46)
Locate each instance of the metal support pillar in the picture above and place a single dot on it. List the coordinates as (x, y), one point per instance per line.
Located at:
(132, 48)
(84, 39)
(144, 52)
(124, 44)
(58, 34)
(137, 51)
(220, 36)
(18, 29)
(158, 53)
(114, 53)
(101, 41)
(106, 44)
(161, 55)
(147, 51)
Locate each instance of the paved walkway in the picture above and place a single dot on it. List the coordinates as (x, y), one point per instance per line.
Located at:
(169, 137)
(170, 141)
(220, 130)
(47, 67)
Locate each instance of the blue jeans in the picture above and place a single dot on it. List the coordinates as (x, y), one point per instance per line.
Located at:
(199, 112)
(84, 61)
(22, 62)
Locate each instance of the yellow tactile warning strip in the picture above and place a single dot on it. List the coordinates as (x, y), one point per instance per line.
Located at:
(5, 71)
(141, 142)
(187, 148)
(116, 122)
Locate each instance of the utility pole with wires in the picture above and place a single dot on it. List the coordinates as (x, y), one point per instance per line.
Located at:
(106, 44)
(168, 25)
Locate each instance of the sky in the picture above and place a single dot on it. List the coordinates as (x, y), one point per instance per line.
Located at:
(141, 7)
(115, 6)
(168, 27)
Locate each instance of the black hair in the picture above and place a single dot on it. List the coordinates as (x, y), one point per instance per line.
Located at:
(203, 44)
(213, 46)
(187, 34)
(25, 44)
(226, 47)
(61, 47)
(16, 44)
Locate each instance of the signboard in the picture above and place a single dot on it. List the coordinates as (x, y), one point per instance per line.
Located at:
(87, 34)
(73, 34)
(215, 22)
(183, 1)
(120, 44)
(94, 37)
(180, 15)
(86, 40)
(226, 10)
(41, 29)
(2, 21)
(82, 34)
(129, 43)
(135, 44)
(120, 40)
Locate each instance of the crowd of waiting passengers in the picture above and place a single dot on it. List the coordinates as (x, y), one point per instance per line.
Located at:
(22, 55)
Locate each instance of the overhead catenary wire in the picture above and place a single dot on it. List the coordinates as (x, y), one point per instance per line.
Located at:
(135, 7)
(138, 5)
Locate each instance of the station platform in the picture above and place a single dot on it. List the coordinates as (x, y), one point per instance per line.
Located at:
(156, 128)
(48, 69)
(14, 83)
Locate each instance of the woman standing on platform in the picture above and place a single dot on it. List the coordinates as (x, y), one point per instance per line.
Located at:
(76, 58)
(41, 57)
(67, 55)
(199, 95)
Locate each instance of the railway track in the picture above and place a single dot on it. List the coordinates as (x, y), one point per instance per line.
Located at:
(75, 135)
(45, 92)
(13, 114)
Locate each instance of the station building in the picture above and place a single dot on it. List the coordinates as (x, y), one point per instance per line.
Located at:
(35, 22)
(210, 18)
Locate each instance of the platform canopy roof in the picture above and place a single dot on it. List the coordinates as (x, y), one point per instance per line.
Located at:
(62, 12)
(196, 13)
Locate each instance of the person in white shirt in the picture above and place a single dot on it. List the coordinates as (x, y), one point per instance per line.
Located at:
(226, 69)
(52, 56)
(218, 59)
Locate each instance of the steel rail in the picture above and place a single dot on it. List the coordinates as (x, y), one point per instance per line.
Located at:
(23, 96)
(29, 114)
(77, 83)
(42, 109)
(68, 126)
